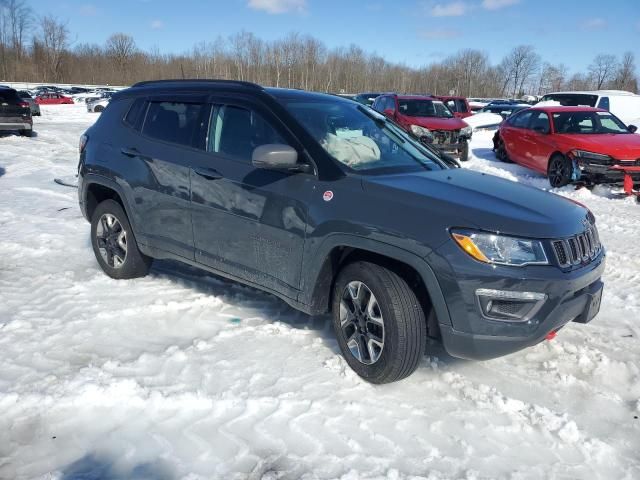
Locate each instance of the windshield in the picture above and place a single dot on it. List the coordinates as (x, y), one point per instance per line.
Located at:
(572, 99)
(423, 108)
(361, 138)
(587, 123)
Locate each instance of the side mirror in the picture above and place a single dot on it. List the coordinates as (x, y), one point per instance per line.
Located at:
(275, 156)
(632, 128)
(388, 113)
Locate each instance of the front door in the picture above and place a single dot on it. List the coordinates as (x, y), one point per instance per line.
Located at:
(248, 222)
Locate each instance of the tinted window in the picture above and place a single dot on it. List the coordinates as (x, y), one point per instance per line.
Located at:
(604, 103)
(133, 115)
(572, 99)
(423, 108)
(9, 96)
(540, 122)
(174, 122)
(24, 94)
(461, 106)
(237, 131)
(521, 120)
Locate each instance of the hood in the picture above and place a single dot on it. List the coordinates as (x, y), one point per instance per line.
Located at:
(624, 146)
(484, 120)
(435, 123)
(485, 202)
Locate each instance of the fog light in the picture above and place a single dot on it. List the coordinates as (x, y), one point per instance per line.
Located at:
(509, 306)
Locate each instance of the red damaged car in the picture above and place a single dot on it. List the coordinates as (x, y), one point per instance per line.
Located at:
(570, 144)
(428, 119)
(458, 105)
(53, 99)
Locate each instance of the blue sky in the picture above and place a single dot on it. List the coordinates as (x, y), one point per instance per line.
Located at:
(415, 32)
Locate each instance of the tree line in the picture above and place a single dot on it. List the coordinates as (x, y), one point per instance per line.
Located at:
(40, 49)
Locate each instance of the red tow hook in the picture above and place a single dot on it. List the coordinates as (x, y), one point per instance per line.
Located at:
(551, 335)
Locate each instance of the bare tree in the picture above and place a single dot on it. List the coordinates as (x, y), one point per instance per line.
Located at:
(121, 48)
(602, 69)
(518, 67)
(625, 76)
(55, 41)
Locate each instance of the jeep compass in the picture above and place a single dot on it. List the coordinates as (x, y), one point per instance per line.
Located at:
(335, 209)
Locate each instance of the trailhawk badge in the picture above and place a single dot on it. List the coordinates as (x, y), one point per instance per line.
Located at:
(327, 196)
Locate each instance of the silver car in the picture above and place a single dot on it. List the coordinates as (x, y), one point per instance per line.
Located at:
(33, 106)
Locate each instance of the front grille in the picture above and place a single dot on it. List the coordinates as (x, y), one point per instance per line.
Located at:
(579, 249)
(445, 136)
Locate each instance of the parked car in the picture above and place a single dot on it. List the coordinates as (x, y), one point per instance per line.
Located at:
(98, 105)
(458, 105)
(484, 121)
(334, 208)
(569, 144)
(15, 114)
(92, 97)
(53, 99)
(504, 109)
(624, 105)
(366, 98)
(33, 106)
(429, 120)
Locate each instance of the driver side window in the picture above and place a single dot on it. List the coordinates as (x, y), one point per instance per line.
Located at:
(236, 132)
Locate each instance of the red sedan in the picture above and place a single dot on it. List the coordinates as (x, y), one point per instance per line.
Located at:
(53, 99)
(569, 144)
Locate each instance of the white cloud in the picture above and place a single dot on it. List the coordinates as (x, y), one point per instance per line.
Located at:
(279, 6)
(439, 34)
(454, 9)
(498, 4)
(594, 24)
(157, 24)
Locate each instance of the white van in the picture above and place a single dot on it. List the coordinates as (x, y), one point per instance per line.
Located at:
(624, 105)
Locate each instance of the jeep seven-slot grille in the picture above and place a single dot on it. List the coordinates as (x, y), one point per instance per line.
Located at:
(579, 249)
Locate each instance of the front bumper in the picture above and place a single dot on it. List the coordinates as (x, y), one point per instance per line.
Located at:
(448, 147)
(601, 173)
(471, 335)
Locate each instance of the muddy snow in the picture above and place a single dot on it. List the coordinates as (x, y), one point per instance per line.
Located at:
(185, 375)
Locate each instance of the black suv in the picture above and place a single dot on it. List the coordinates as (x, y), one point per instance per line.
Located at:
(15, 113)
(333, 208)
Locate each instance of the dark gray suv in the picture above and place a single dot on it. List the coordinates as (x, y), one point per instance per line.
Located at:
(333, 208)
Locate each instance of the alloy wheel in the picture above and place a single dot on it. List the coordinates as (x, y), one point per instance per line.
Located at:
(362, 323)
(558, 172)
(112, 240)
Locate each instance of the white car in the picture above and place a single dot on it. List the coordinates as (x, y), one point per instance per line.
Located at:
(97, 106)
(624, 105)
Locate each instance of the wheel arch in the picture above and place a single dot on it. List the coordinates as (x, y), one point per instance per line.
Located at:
(97, 189)
(340, 250)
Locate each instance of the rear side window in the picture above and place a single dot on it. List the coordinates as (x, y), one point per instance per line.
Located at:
(237, 131)
(461, 106)
(521, 120)
(540, 122)
(134, 114)
(173, 122)
(9, 96)
(604, 103)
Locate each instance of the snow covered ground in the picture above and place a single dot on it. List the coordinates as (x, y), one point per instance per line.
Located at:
(184, 375)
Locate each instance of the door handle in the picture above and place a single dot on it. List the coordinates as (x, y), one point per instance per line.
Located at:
(130, 152)
(208, 173)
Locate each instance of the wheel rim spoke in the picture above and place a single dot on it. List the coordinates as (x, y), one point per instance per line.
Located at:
(111, 240)
(362, 323)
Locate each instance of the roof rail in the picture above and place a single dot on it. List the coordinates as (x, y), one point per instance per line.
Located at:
(197, 80)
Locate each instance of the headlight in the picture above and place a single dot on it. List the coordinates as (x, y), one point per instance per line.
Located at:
(584, 155)
(500, 249)
(466, 131)
(419, 131)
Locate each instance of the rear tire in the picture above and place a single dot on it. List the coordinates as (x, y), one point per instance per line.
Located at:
(501, 151)
(382, 338)
(98, 109)
(26, 133)
(114, 244)
(559, 171)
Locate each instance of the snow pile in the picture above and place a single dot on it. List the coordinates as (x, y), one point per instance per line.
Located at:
(184, 375)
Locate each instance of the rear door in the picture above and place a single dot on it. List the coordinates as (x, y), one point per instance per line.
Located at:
(515, 136)
(248, 222)
(169, 128)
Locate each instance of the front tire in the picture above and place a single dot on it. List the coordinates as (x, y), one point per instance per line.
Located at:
(379, 322)
(114, 244)
(559, 171)
(26, 132)
(464, 151)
